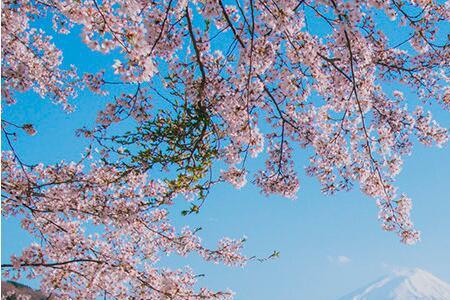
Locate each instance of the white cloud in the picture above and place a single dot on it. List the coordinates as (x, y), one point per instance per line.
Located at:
(340, 260)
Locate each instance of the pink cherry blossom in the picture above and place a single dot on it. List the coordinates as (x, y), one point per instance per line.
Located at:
(247, 80)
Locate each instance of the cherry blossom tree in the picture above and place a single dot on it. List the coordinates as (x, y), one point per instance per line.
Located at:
(206, 86)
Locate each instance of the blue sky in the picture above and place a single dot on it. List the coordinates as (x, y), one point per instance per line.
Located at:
(313, 233)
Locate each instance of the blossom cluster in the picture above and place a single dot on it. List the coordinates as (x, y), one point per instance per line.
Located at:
(99, 226)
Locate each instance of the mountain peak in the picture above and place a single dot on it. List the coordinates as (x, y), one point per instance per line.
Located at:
(404, 284)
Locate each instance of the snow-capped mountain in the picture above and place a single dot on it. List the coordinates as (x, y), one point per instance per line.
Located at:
(415, 284)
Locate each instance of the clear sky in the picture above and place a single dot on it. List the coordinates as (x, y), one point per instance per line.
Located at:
(329, 245)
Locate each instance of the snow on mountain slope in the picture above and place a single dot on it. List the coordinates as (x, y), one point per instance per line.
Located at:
(415, 284)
